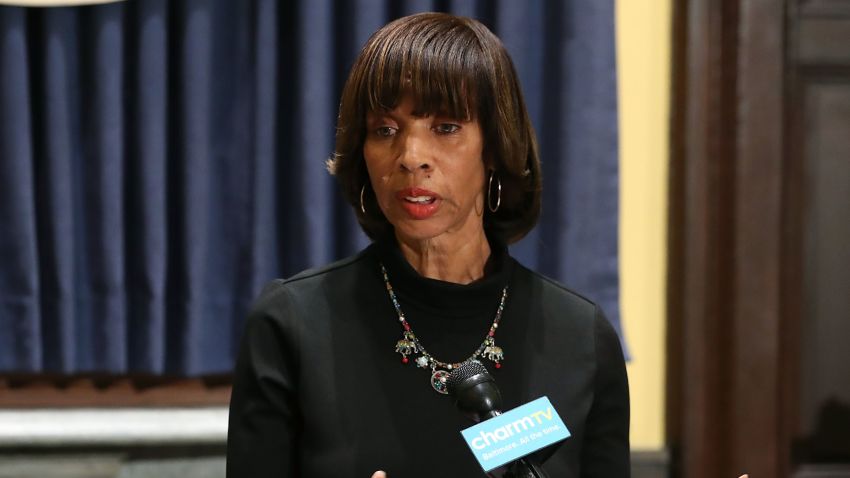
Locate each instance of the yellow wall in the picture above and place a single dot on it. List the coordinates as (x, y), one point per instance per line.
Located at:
(643, 62)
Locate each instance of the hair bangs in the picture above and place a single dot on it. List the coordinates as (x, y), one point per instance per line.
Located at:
(435, 66)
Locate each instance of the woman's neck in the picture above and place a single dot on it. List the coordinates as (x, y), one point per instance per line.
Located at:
(457, 261)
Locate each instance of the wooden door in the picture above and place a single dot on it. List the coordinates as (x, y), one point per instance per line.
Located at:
(760, 228)
(819, 139)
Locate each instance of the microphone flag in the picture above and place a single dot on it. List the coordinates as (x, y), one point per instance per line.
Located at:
(515, 434)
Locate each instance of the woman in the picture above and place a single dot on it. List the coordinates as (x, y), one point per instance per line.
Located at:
(342, 368)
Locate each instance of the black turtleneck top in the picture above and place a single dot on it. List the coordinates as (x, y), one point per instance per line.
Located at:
(319, 390)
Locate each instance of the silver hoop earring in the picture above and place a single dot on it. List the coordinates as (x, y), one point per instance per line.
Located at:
(498, 194)
(362, 207)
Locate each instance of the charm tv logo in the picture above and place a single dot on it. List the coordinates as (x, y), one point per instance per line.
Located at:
(522, 425)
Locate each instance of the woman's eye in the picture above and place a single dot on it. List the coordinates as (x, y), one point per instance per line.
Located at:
(385, 131)
(447, 128)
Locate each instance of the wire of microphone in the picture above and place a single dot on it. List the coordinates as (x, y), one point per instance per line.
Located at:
(477, 396)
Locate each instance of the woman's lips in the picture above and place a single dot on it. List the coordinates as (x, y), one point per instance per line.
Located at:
(418, 203)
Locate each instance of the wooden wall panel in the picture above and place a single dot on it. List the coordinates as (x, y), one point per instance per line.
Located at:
(744, 141)
(757, 262)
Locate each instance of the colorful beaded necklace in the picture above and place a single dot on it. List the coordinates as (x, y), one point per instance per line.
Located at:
(409, 344)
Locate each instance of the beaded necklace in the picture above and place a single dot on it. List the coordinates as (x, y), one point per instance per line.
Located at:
(410, 344)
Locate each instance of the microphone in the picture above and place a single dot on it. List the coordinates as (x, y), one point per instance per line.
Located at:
(475, 391)
(477, 396)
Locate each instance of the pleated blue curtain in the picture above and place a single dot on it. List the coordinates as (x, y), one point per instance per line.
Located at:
(160, 161)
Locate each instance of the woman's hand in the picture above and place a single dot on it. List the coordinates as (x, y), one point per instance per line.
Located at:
(379, 474)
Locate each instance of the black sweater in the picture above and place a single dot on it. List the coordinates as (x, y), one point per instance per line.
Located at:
(319, 390)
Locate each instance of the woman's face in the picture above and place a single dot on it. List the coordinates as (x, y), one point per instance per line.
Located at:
(427, 173)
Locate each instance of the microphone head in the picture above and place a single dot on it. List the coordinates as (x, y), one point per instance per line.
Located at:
(475, 391)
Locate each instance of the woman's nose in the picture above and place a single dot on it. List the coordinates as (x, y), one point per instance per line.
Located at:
(415, 154)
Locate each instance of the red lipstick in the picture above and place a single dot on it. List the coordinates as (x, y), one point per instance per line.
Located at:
(418, 203)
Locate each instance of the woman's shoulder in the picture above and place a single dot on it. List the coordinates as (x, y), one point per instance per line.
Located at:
(283, 293)
(569, 308)
(349, 265)
(575, 317)
(554, 294)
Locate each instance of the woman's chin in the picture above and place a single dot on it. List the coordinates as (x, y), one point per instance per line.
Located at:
(429, 230)
(418, 231)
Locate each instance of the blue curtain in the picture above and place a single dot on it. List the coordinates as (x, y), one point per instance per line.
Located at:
(160, 161)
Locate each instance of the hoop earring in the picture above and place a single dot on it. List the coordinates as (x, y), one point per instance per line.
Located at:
(490, 190)
(362, 207)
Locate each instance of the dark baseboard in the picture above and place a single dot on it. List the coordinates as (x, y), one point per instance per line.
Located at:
(650, 463)
(823, 471)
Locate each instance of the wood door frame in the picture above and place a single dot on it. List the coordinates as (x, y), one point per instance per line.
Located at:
(730, 236)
